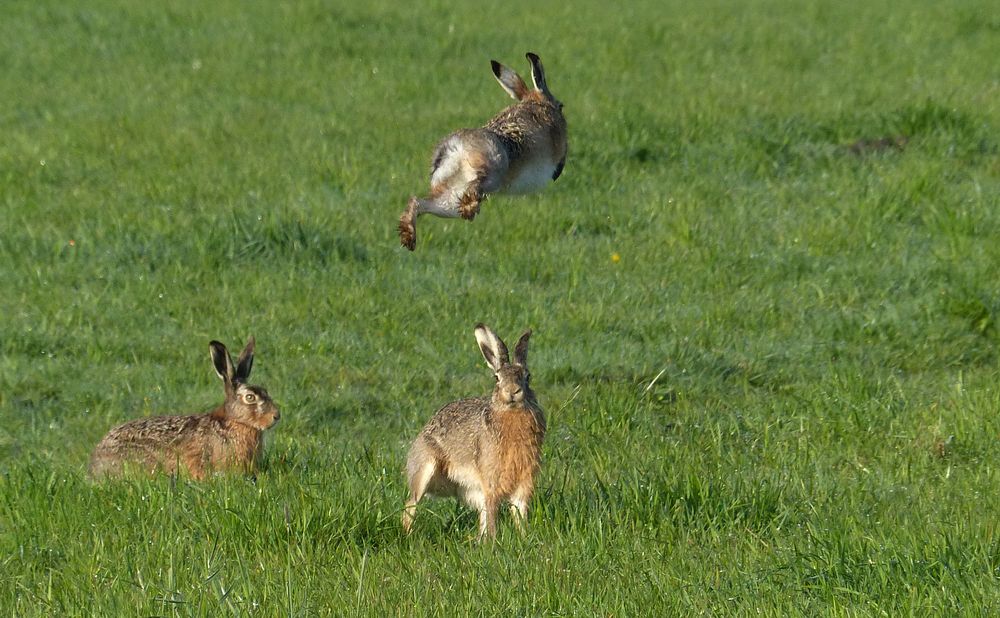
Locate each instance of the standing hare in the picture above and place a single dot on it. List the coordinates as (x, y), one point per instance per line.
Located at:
(520, 150)
(484, 450)
(229, 437)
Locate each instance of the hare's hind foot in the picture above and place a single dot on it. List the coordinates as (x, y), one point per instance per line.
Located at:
(407, 225)
(407, 234)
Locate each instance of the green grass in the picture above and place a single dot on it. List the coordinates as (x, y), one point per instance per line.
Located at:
(781, 400)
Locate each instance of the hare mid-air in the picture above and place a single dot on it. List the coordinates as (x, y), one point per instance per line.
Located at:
(230, 437)
(484, 450)
(522, 149)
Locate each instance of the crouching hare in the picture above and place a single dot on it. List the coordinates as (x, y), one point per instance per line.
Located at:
(230, 437)
(485, 450)
(521, 150)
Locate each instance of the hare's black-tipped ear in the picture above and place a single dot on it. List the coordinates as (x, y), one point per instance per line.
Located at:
(521, 349)
(538, 73)
(493, 349)
(509, 80)
(222, 361)
(245, 362)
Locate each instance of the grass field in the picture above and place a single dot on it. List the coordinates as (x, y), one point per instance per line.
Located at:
(769, 364)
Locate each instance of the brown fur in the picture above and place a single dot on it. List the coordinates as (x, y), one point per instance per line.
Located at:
(468, 205)
(485, 451)
(535, 122)
(520, 432)
(229, 438)
(407, 225)
(513, 152)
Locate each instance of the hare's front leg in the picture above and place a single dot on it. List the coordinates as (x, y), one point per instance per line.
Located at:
(196, 468)
(519, 504)
(468, 204)
(488, 518)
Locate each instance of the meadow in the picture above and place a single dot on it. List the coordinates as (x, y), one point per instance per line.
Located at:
(769, 361)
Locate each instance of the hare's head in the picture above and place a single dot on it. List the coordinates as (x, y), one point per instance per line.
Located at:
(250, 405)
(516, 88)
(513, 387)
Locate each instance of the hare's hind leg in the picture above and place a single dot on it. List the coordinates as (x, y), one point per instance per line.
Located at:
(440, 203)
(419, 479)
(102, 464)
(408, 224)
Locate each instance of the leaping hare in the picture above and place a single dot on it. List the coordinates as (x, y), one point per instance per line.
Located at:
(484, 450)
(230, 437)
(520, 150)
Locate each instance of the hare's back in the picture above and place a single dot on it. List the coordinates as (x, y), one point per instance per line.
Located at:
(146, 441)
(456, 430)
(454, 440)
(535, 135)
(460, 417)
(152, 432)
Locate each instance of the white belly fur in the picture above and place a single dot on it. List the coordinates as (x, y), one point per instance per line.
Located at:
(462, 481)
(532, 176)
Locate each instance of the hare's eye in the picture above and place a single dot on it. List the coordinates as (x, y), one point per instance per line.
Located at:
(497, 376)
(249, 398)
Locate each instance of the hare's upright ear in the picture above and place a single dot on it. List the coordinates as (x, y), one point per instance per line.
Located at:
(538, 73)
(493, 349)
(245, 362)
(223, 363)
(509, 80)
(521, 349)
